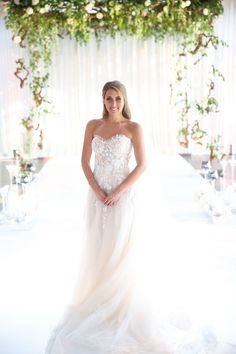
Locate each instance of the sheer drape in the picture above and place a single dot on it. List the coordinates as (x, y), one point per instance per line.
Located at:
(146, 68)
(76, 89)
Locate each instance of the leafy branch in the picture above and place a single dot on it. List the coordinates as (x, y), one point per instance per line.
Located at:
(36, 25)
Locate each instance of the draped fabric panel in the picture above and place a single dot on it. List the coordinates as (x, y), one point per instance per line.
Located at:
(13, 100)
(78, 74)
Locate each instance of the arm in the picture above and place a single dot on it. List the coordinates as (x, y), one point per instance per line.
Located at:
(85, 161)
(139, 153)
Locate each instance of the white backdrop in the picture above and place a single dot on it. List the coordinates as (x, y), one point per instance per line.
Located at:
(79, 72)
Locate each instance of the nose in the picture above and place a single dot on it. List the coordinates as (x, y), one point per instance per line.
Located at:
(113, 103)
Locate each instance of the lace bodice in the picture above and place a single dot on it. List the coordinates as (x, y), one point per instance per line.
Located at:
(111, 160)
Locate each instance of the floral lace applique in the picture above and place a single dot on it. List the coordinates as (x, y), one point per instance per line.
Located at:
(111, 160)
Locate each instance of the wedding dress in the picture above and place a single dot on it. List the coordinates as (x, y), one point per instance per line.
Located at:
(108, 312)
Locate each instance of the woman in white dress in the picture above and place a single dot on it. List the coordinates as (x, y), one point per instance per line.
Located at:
(106, 315)
(98, 319)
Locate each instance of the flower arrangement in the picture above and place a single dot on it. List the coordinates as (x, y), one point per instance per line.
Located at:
(78, 18)
(36, 24)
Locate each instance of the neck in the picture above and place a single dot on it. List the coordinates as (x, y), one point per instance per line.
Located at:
(115, 118)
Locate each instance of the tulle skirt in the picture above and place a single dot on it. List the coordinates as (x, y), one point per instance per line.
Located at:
(127, 299)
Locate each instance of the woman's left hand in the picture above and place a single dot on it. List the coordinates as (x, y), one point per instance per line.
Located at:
(112, 198)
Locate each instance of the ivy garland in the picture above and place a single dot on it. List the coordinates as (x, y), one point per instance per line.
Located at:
(191, 113)
(36, 24)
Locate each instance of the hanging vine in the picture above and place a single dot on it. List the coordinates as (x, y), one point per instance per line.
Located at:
(36, 25)
(191, 113)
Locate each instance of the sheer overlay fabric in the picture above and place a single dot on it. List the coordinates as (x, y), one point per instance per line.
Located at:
(112, 308)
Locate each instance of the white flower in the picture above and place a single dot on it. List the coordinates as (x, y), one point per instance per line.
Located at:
(17, 39)
(133, 13)
(29, 10)
(159, 16)
(70, 21)
(99, 15)
(17, 2)
(165, 9)
(147, 3)
(35, 2)
(185, 4)
(117, 7)
(89, 6)
(47, 8)
(205, 12)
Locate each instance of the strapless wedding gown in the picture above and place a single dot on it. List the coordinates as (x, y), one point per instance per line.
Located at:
(108, 313)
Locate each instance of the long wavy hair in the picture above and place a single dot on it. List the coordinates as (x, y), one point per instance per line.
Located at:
(119, 87)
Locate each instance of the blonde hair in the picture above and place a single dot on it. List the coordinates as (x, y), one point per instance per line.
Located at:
(118, 86)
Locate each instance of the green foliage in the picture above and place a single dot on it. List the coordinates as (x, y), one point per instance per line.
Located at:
(41, 23)
(36, 25)
(27, 123)
(195, 47)
(216, 148)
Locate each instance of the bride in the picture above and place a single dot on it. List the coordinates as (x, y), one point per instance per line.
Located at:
(107, 314)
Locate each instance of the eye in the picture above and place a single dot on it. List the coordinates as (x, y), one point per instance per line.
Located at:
(108, 98)
(118, 98)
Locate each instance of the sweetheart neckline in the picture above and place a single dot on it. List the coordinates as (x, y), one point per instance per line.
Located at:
(111, 137)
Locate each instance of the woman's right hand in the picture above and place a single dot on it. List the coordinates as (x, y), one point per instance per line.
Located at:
(101, 196)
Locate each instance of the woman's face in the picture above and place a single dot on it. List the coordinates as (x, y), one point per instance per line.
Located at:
(114, 102)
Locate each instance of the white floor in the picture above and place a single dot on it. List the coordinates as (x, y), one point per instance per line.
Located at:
(38, 264)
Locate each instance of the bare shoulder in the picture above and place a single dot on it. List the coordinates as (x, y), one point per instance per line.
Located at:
(134, 129)
(93, 124)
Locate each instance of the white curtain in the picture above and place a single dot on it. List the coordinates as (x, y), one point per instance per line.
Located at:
(78, 74)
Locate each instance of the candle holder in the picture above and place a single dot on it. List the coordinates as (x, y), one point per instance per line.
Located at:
(13, 171)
